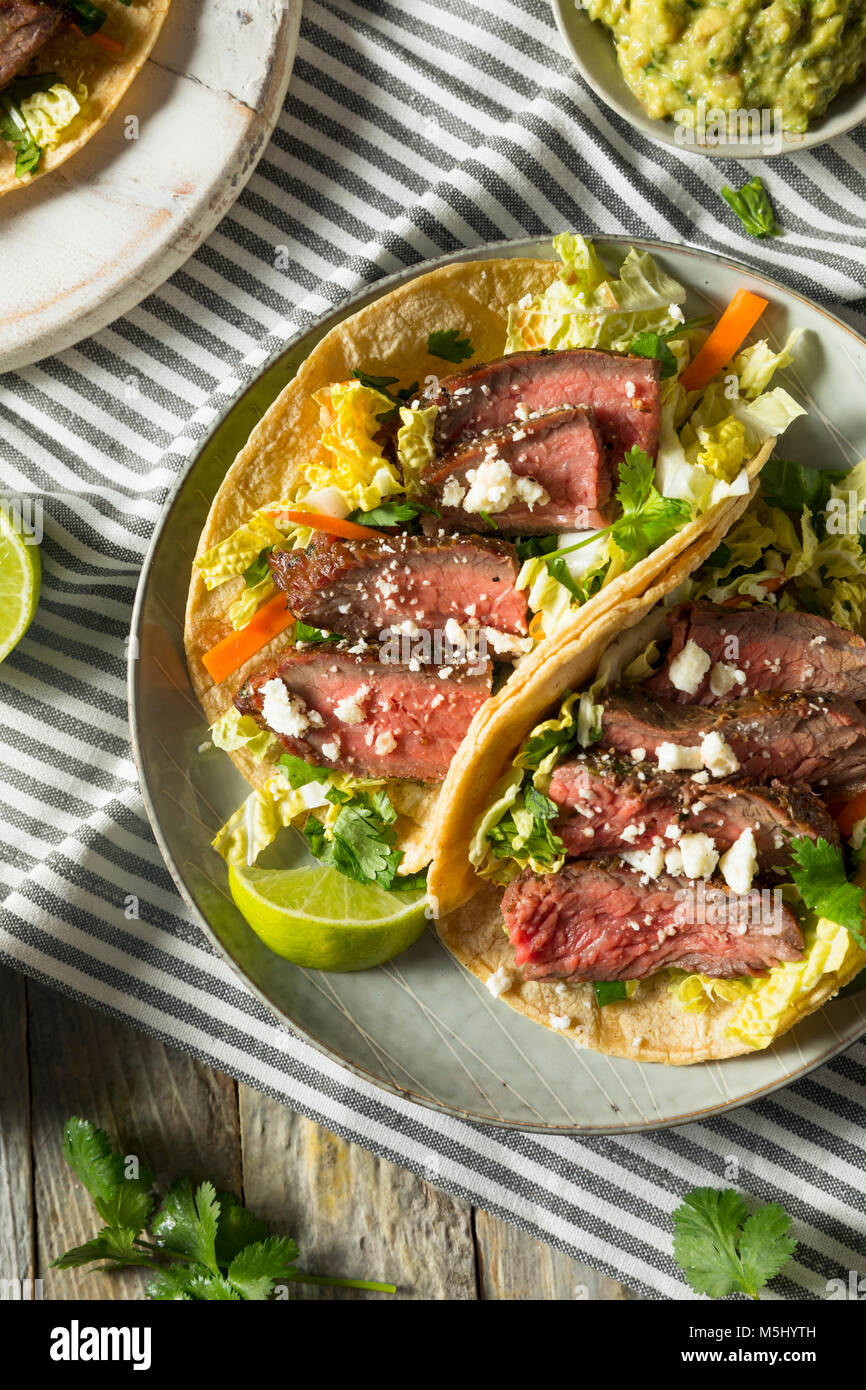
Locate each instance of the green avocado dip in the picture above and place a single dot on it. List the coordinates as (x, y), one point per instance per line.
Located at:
(737, 54)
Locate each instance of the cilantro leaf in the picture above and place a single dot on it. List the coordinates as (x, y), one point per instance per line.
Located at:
(388, 514)
(791, 485)
(361, 842)
(819, 873)
(609, 992)
(187, 1222)
(525, 831)
(237, 1228)
(253, 1270)
(259, 570)
(120, 1201)
(298, 773)
(753, 207)
(653, 345)
(115, 1244)
(305, 633)
(723, 1250)
(446, 343)
(383, 385)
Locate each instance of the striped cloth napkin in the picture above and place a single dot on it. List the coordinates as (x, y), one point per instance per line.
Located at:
(410, 130)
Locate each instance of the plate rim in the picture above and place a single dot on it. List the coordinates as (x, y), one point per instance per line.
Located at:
(322, 324)
(657, 129)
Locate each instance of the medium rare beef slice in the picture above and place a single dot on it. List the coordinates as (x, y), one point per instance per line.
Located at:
(598, 919)
(535, 476)
(361, 588)
(819, 739)
(718, 653)
(355, 714)
(623, 392)
(610, 806)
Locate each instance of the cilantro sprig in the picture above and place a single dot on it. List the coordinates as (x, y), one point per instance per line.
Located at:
(651, 344)
(648, 519)
(538, 841)
(200, 1243)
(383, 385)
(13, 124)
(722, 1249)
(753, 207)
(819, 873)
(447, 344)
(361, 841)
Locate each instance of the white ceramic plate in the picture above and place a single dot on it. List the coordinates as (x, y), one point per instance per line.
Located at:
(421, 1026)
(592, 49)
(92, 239)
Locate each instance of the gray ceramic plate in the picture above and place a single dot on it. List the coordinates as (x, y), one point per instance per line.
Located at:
(420, 1026)
(592, 49)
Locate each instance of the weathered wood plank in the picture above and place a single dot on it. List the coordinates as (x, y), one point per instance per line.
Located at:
(17, 1245)
(352, 1214)
(178, 1115)
(513, 1265)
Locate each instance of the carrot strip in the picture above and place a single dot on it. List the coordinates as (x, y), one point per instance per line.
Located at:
(727, 337)
(333, 525)
(102, 41)
(231, 653)
(851, 812)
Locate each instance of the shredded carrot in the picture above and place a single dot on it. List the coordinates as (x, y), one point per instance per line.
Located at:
(536, 628)
(102, 41)
(333, 525)
(851, 812)
(231, 653)
(726, 339)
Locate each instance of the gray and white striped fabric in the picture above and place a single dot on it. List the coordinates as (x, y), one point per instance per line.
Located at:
(410, 129)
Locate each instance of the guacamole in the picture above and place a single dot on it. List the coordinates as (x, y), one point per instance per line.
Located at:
(737, 54)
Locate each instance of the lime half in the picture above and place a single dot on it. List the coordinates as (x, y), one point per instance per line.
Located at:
(20, 573)
(318, 918)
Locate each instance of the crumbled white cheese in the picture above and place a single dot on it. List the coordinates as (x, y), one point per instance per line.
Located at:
(723, 677)
(493, 488)
(349, 710)
(559, 1021)
(674, 862)
(286, 713)
(739, 865)
(689, 667)
(672, 758)
(699, 855)
(385, 743)
(500, 981)
(503, 643)
(331, 750)
(454, 633)
(650, 862)
(638, 754)
(453, 493)
(718, 756)
(633, 832)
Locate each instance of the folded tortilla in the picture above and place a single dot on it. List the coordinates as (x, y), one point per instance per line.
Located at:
(81, 63)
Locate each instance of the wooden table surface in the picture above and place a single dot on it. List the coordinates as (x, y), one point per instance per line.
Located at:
(352, 1214)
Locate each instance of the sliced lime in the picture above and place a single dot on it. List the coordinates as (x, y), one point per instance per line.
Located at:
(318, 918)
(20, 575)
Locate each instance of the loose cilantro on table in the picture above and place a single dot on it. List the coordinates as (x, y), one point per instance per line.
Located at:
(446, 343)
(721, 1249)
(753, 207)
(200, 1243)
(819, 873)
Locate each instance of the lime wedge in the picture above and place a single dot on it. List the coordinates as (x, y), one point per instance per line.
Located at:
(318, 918)
(20, 573)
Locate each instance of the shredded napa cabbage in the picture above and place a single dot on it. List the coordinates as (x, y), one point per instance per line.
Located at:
(415, 447)
(49, 114)
(234, 555)
(357, 466)
(234, 730)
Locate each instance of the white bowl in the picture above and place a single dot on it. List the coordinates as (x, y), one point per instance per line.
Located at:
(593, 51)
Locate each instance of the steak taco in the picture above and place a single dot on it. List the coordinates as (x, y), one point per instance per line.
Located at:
(669, 861)
(63, 69)
(461, 478)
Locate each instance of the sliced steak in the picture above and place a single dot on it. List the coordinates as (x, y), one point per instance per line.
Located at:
(623, 392)
(611, 806)
(771, 649)
(597, 919)
(561, 452)
(354, 713)
(364, 587)
(819, 739)
(25, 28)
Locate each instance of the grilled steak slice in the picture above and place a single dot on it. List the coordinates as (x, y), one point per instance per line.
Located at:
(597, 919)
(623, 392)
(25, 28)
(611, 806)
(820, 739)
(363, 587)
(773, 650)
(354, 713)
(561, 452)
